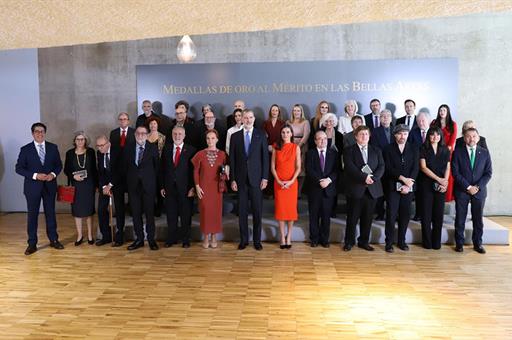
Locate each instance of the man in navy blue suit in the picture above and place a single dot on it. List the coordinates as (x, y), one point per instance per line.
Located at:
(471, 170)
(39, 162)
(249, 164)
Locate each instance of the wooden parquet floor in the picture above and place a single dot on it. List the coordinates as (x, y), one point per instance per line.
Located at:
(302, 293)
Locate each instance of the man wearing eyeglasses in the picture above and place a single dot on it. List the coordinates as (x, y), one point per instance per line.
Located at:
(39, 162)
(209, 122)
(104, 163)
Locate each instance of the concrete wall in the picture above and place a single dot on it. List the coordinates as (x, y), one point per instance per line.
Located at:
(84, 87)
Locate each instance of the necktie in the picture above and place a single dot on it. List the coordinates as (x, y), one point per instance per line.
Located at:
(322, 160)
(41, 153)
(472, 157)
(409, 121)
(107, 161)
(376, 123)
(141, 154)
(123, 138)
(423, 135)
(365, 154)
(177, 156)
(388, 134)
(247, 142)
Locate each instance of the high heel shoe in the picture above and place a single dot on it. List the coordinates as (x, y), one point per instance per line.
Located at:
(282, 246)
(90, 241)
(79, 242)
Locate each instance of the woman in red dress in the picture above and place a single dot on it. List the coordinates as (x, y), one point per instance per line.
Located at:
(285, 166)
(445, 122)
(209, 176)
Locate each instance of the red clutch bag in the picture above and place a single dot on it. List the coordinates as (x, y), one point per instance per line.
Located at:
(66, 193)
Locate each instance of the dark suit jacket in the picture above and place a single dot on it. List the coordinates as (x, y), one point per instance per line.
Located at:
(104, 174)
(314, 173)
(29, 163)
(353, 161)
(405, 164)
(415, 137)
(402, 120)
(146, 172)
(464, 176)
(368, 121)
(200, 132)
(253, 167)
(460, 142)
(177, 180)
(378, 137)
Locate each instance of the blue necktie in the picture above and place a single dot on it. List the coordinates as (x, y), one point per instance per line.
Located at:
(141, 154)
(247, 142)
(41, 153)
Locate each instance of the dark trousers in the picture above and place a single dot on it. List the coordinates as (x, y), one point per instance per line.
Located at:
(33, 204)
(418, 199)
(359, 209)
(246, 193)
(103, 217)
(118, 191)
(320, 209)
(142, 202)
(461, 212)
(177, 205)
(433, 218)
(399, 209)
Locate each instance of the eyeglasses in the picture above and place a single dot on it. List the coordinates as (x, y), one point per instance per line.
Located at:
(141, 133)
(123, 119)
(100, 145)
(39, 131)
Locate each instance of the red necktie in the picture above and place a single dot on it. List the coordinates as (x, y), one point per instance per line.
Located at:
(177, 156)
(123, 138)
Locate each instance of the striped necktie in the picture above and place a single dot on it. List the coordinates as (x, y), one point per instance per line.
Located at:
(41, 153)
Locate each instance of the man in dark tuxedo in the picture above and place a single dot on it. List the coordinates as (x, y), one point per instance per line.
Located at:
(364, 167)
(401, 159)
(104, 163)
(177, 186)
(321, 174)
(372, 119)
(249, 165)
(183, 120)
(460, 141)
(142, 165)
(472, 170)
(209, 122)
(39, 163)
(409, 118)
(164, 126)
(381, 137)
(119, 138)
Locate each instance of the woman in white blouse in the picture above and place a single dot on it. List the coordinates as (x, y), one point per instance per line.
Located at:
(344, 125)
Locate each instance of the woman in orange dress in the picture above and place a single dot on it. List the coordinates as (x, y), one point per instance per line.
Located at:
(285, 167)
(445, 122)
(209, 180)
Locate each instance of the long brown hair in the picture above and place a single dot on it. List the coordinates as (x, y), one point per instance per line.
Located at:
(280, 142)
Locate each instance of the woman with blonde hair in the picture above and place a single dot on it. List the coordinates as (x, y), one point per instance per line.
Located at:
(301, 131)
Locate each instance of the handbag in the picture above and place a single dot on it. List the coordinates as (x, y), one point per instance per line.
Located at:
(66, 193)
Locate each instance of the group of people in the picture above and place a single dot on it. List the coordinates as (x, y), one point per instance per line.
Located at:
(163, 164)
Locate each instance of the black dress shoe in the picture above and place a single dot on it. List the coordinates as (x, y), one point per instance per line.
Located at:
(79, 242)
(479, 249)
(459, 248)
(56, 244)
(325, 245)
(366, 247)
(241, 246)
(288, 246)
(258, 246)
(136, 245)
(91, 242)
(117, 244)
(404, 247)
(102, 242)
(389, 249)
(283, 246)
(347, 247)
(168, 244)
(313, 244)
(30, 250)
(185, 245)
(153, 245)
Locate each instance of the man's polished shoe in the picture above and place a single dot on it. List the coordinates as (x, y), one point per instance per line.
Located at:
(313, 244)
(366, 247)
(136, 245)
(258, 246)
(325, 245)
(185, 245)
(404, 247)
(347, 247)
(459, 248)
(56, 244)
(153, 245)
(169, 244)
(102, 242)
(30, 250)
(479, 249)
(389, 249)
(117, 244)
(241, 246)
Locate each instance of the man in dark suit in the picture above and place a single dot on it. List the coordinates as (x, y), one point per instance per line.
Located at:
(472, 170)
(209, 122)
(39, 162)
(119, 138)
(104, 163)
(249, 165)
(372, 119)
(142, 165)
(364, 167)
(402, 165)
(381, 137)
(183, 120)
(177, 186)
(321, 174)
(164, 126)
(409, 119)
(460, 141)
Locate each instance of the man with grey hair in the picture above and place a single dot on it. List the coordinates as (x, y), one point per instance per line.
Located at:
(104, 156)
(460, 141)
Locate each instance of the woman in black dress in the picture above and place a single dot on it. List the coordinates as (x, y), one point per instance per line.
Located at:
(80, 167)
(435, 164)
